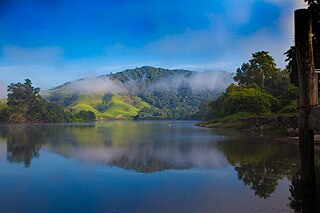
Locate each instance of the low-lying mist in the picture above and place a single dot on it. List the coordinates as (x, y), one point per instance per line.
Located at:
(95, 86)
(198, 81)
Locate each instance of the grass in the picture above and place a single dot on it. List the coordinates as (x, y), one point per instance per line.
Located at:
(118, 107)
(235, 117)
(91, 100)
(85, 107)
(280, 114)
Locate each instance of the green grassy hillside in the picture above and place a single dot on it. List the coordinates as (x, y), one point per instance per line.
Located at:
(119, 107)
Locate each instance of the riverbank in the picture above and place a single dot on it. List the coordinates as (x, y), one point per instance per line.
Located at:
(272, 125)
(279, 127)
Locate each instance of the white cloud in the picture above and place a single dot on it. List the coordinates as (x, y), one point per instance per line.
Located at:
(297, 3)
(95, 86)
(222, 44)
(266, 39)
(200, 81)
(219, 47)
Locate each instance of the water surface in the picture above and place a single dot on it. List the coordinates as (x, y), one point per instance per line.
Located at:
(150, 166)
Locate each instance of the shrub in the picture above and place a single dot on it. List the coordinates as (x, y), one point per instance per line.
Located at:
(85, 116)
(293, 107)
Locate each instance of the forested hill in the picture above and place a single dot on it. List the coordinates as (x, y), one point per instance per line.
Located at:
(139, 80)
(148, 74)
(142, 93)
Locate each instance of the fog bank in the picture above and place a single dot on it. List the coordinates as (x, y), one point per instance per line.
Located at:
(95, 86)
(216, 81)
(199, 81)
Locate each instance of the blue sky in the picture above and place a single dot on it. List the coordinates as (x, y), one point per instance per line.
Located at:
(54, 41)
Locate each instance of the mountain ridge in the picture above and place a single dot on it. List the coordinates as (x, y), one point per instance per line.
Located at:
(141, 93)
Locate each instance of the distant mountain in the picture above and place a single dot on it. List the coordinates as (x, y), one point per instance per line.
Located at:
(142, 93)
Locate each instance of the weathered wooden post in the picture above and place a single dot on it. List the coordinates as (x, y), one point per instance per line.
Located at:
(308, 85)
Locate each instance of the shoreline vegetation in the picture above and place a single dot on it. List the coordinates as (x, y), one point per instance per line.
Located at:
(262, 101)
(258, 125)
(279, 127)
(264, 124)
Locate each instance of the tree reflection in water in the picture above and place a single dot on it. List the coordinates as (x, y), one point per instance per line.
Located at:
(263, 177)
(23, 142)
(261, 165)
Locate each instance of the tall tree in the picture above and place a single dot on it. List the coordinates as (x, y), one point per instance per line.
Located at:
(24, 102)
(25, 105)
(262, 72)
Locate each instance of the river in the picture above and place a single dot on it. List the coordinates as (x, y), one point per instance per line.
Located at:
(147, 166)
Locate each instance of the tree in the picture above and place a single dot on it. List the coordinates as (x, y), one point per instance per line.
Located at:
(25, 105)
(261, 71)
(292, 65)
(262, 88)
(244, 99)
(24, 102)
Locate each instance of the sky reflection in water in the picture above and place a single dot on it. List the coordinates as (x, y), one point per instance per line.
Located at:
(152, 166)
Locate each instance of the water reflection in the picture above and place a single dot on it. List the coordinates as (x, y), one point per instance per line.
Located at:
(142, 147)
(261, 165)
(23, 142)
(150, 147)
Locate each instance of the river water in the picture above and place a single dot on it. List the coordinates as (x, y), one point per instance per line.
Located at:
(147, 166)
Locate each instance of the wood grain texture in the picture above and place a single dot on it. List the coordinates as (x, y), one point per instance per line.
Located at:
(308, 96)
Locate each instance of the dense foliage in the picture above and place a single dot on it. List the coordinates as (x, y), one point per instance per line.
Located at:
(83, 115)
(180, 104)
(25, 105)
(143, 76)
(149, 113)
(262, 88)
